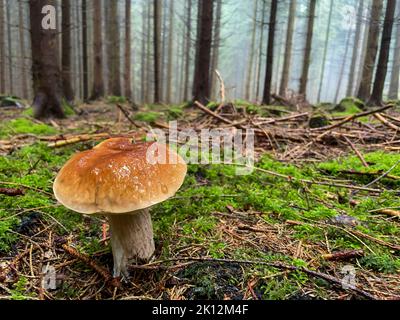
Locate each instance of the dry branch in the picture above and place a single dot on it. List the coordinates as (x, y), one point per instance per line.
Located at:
(100, 270)
(343, 255)
(11, 192)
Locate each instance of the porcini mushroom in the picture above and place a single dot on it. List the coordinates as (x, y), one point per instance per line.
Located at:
(122, 180)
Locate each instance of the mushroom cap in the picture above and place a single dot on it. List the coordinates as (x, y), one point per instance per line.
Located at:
(118, 176)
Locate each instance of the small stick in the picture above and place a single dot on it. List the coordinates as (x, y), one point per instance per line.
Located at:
(126, 114)
(386, 122)
(11, 192)
(212, 113)
(26, 187)
(222, 86)
(100, 270)
(358, 153)
(389, 212)
(383, 175)
(343, 255)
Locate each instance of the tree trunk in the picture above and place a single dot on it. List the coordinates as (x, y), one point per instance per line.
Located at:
(157, 54)
(252, 52)
(66, 51)
(381, 70)
(98, 81)
(24, 83)
(341, 73)
(10, 49)
(187, 51)
(328, 30)
(143, 56)
(270, 53)
(394, 77)
(2, 50)
(307, 52)
(357, 38)
(127, 74)
(201, 83)
(78, 58)
(215, 47)
(260, 52)
(372, 49)
(45, 64)
(288, 49)
(170, 63)
(114, 50)
(85, 52)
(148, 59)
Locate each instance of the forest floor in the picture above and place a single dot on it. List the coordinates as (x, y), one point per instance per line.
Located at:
(321, 208)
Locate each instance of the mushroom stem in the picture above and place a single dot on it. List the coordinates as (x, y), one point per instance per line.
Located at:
(131, 239)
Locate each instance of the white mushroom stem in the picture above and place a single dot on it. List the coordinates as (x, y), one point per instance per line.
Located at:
(131, 239)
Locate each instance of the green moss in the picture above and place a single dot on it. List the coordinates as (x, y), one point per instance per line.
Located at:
(116, 99)
(24, 125)
(381, 263)
(148, 116)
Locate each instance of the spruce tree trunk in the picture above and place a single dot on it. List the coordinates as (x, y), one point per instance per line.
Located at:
(342, 68)
(2, 50)
(260, 52)
(201, 83)
(10, 49)
(381, 70)
(114, 49)
(188, 49)
(128, 64)
(270, 53)
(357, 38)
(24, 82)
(98, 81)
(394, 77)
(170, 64)
(85, 52)
(368, 64)
(215, 49)
(157, 52)
(45, 65)
(66, 66)
(288, 49)
(251, 55)
(328, 30)
(307, 52)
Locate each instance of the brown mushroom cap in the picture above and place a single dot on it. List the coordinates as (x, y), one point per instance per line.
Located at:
(116, 176)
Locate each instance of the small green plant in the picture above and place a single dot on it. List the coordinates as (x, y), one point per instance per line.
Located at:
(19, 292)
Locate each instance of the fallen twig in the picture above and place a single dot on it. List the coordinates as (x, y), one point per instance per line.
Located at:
(212, 113)
(386, 122)
(356, 151)
(11, 192)
(343, 255)
(100, 270)
(126, 114)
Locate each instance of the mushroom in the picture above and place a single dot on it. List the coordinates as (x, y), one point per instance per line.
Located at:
(122, 180)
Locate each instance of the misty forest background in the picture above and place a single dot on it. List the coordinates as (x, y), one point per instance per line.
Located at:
(168, 51)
